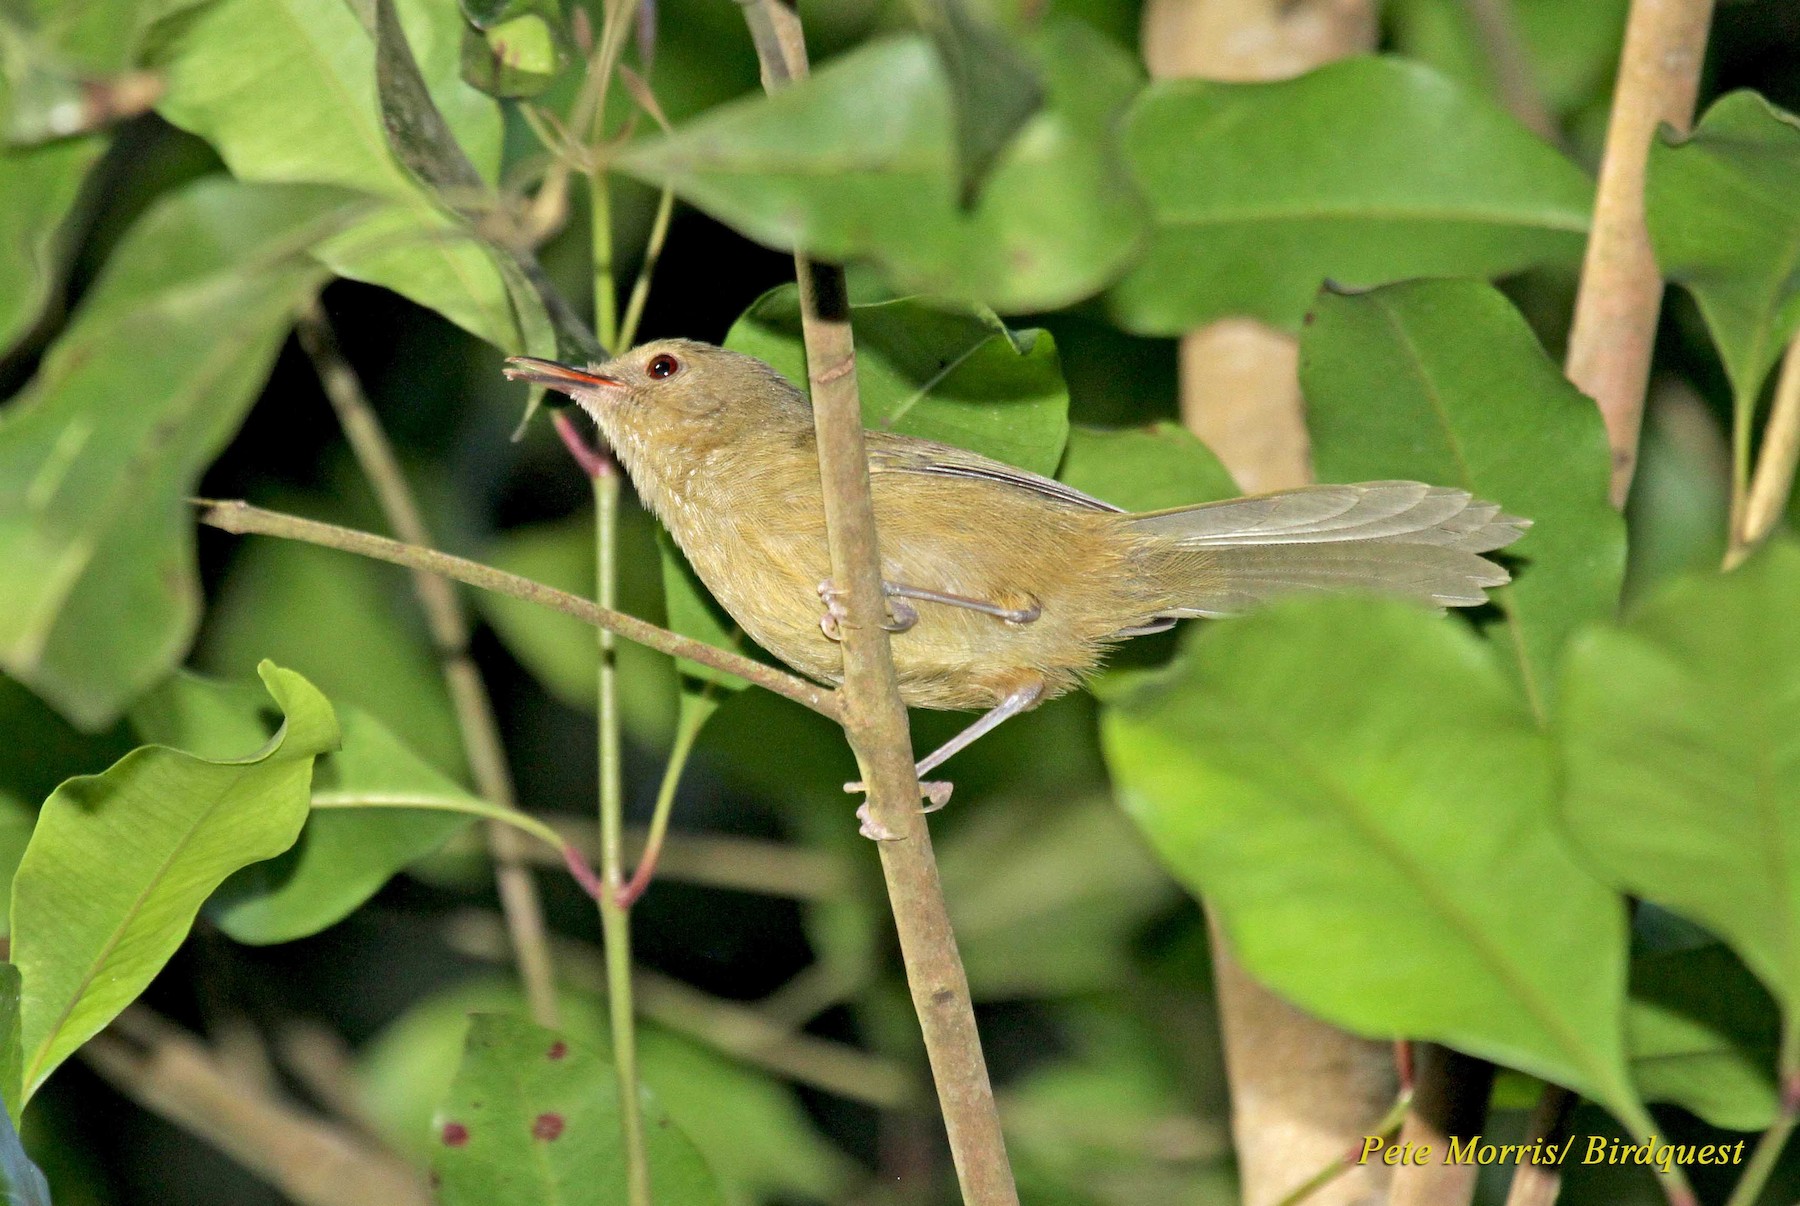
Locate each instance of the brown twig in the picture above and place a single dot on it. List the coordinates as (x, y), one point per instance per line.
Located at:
(1774, 479)
(874, 717)
(243, 519)
(172, 1074)
(1621, 288)
(449, 628)
(1302, 1091)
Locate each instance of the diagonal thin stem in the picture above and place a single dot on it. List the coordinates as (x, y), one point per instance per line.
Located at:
(1754, 516)
(242, 519)
(874, 717)
(449, 628)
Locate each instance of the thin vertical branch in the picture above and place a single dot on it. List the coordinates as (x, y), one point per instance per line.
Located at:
(449, 628)
(1621, 288)
(875, 719)
(1450, 1102)
(1774, 480)
(1538, 1184)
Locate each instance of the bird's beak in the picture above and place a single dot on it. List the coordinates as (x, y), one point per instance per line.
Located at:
(551, 375)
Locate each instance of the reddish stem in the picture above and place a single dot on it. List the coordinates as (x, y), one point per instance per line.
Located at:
(594, 459)
(584, 874)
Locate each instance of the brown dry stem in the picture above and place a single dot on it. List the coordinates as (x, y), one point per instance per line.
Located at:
(874, 719)
(1621, 288)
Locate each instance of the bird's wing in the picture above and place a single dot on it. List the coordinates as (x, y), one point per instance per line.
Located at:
(890, 453)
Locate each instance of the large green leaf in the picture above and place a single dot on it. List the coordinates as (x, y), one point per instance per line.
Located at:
(286, 91)
(99, 454)
(1720, 204)
(1682, 735)
(860, 161)
(122, 861)
(1260, 192)
(533, 1117)
(1366, 803)
(936, 370)
(345, 853)
(1443, 381)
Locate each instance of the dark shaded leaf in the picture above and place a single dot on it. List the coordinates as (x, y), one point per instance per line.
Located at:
(994, 88)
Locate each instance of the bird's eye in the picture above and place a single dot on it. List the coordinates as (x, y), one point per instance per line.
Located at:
(662, 366)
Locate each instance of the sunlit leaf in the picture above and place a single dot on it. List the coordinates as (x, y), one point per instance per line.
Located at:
(1260, 192)
(1682, 732)
(860, 161)
(1348, 777)
(1442, 381)
(345, 853)
(99, 599)
(122, 861)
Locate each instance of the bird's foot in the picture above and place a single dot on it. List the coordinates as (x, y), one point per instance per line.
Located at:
(935, 793)
(901, 615)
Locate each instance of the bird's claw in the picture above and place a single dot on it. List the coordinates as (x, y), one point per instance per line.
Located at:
(936, 794)
(901, 615)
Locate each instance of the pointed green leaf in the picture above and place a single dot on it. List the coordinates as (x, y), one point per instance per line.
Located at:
(99, 599)
(533, 1117)
(1347, 781)
(1260, 192)
(994, 87)
(285, 90)
(936, 370)
(860, 161)
(1682, 737)
(1443, 382)
(1720, 205)
(122, 861)
(345, 853)
(1702, 1033)
(38, 188)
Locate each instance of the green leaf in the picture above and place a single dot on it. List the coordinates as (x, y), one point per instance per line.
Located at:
(1702, 1033)
(936, 370)
(1571, 50)
(533, 1117)
(514, 49)
(10, 1054)
(1260, 192)
(285, 90)
(749, 1126)
(38, 188)
(994, 87)
(1720, 208)
(100, 600)
(860, 162)
(344, 855)
(1682, 738)
(1144, 468)
(1366, 804)
(1442, 381)
(121, 862)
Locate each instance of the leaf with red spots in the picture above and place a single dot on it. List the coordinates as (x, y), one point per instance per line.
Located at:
(533, 1118)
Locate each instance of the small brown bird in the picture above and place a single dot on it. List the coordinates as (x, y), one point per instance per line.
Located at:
(1005, 588)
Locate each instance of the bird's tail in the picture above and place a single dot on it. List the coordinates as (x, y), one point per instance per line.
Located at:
(1394, 538)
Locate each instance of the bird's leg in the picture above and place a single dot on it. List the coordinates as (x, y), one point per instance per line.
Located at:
(1012, 615)
(938, 793)
(901, 615)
